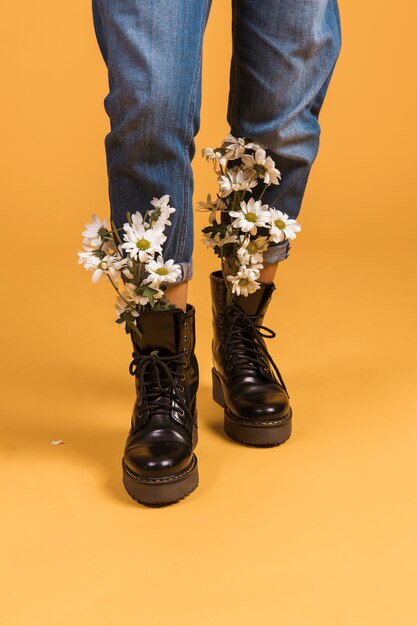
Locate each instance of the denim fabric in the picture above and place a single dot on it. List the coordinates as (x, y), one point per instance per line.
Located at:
(284, 54)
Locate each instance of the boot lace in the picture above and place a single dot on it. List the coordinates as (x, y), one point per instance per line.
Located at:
(244, 345)
(159, 384)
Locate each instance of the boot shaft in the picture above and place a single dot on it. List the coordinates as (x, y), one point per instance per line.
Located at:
(254, 304)
(169, 332)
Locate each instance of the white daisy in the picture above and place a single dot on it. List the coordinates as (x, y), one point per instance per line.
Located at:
(132, 296)
(137, 219)
(162, 271)
(215, 156)
(110, 248)
(113, 265)
(160, 214)
(121, 306)
(209, 205)
(236, 180)
(244, 282)
(142, 243)
(127, 269)
(251, 215)
(95, 233)
(85, 255)
(99, 265)
(263, 165)
(211, 241)
(282, 226)
(251, 250)
(236, 146)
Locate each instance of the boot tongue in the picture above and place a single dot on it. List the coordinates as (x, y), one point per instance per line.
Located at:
(254, 303)
(160, 331)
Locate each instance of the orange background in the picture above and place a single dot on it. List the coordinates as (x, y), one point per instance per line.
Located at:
(321, 531)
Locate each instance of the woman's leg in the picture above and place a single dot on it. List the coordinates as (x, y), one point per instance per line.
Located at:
(153, 51)
(284, 54)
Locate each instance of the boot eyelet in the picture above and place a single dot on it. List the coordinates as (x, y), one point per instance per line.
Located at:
(185, 338)
(180, 388)
(183, 377)
(186, 325)
(229, 366)
(186, 350)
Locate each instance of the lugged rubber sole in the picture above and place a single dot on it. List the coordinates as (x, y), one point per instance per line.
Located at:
(161, 491)
(266, 433)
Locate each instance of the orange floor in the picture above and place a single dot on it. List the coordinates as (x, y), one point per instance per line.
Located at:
(318, 532)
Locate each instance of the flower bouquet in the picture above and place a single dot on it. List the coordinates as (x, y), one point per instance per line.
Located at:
(132, 263)
(235, 217)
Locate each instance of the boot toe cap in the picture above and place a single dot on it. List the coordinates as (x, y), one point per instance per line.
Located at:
(155, 460)
(262, 404)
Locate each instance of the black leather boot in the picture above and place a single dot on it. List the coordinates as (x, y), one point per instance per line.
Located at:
(246, 381)
(159, 466)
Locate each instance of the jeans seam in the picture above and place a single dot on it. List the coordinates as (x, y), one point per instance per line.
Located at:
(236, 69)
(188, 136)
(98, 22)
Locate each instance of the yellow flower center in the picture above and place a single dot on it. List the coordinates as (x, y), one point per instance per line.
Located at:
(252, 248)
(243, 282)
(280, 224)
(251, 217)
(162, 271)
(143, 244)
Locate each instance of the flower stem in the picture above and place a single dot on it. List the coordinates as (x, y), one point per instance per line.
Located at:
(122, 297)
(263, 190)
(114, 230)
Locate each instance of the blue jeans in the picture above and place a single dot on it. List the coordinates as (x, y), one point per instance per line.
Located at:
(284, 53)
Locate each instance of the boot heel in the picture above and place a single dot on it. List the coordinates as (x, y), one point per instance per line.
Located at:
(218, 395)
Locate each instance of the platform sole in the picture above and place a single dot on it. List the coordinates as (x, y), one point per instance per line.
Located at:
(260, 433)
(161, 491)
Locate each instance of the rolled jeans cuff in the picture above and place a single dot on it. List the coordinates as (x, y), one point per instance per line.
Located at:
(186, 272)
(277, 252)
